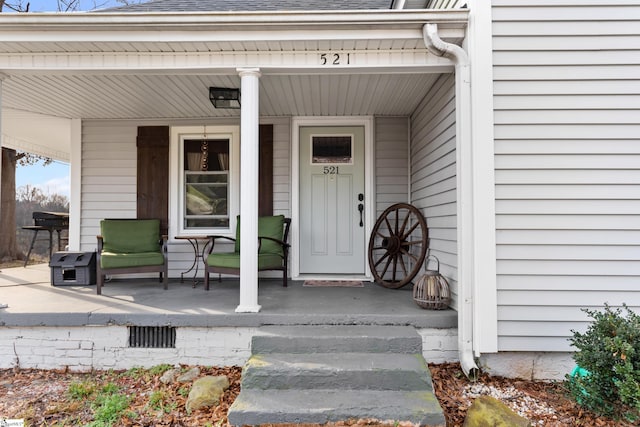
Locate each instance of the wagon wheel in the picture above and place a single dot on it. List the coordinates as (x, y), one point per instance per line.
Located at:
(398, 245)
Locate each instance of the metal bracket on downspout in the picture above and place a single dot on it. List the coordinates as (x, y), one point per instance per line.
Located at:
(438, 47)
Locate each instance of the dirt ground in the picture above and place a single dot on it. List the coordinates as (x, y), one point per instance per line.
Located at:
(45, 398)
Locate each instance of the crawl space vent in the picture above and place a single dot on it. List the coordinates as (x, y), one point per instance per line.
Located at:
(152, 337)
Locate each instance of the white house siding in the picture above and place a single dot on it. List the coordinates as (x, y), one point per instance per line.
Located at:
(433, 173)
(109, 177)
(567, 158)
(392, 165)
(281, 166)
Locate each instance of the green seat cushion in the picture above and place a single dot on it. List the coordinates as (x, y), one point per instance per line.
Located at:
(130, 235)
(268, 226)
(124, 260)
(232, 260)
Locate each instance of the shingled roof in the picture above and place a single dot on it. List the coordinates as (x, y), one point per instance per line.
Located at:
(250, 5)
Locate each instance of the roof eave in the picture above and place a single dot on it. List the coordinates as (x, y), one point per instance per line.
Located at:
(216, 20)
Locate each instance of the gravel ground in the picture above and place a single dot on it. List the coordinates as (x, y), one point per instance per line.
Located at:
(42, 399)
(542, 403)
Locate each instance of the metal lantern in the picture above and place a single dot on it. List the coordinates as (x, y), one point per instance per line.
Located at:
(432, 289)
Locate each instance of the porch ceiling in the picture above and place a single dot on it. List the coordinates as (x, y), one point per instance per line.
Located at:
(147, 96)
(146, 65)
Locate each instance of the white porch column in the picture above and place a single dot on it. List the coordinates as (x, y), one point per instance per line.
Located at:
(75, 201)
(249, 132)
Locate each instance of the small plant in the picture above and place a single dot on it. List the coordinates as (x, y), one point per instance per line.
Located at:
(109, 388)
(610, 352)
(158, 401)
(135, 372)
(81, 390)
(109, 406)
(109, 409)
(183, 391)
(159, 369)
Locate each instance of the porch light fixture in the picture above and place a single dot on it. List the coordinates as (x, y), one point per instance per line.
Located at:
(222, 97)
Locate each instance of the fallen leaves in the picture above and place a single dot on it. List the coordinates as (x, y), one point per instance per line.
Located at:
(42, 398)
(543, 403)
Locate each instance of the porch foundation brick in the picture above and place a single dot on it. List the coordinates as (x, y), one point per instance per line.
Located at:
(439, 345)
(528, 365)
(106, 347)
(84, 348)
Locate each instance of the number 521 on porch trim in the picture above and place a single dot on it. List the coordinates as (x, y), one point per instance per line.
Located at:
(335, 59)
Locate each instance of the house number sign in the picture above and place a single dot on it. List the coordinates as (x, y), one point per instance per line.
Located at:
(335, 59)
(330, 170)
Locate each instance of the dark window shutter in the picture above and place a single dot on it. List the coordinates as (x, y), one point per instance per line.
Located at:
(265, 186)
(153, 174)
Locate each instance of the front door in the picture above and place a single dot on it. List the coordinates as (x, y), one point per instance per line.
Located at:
(332, 237)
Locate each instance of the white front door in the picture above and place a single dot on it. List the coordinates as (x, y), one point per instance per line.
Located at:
(332, 232)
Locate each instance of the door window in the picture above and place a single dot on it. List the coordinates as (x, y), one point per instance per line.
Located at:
(331, 149)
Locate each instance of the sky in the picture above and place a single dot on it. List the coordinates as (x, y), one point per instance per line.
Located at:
(51, 179)
(52, 5)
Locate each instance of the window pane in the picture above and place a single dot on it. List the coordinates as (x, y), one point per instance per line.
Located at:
(331, 149)
(206, 155)
(207, 223)
(206, 184)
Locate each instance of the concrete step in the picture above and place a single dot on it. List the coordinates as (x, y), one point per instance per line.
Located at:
(319, 374)
(337, 339)
(370, 371)
(253, 407)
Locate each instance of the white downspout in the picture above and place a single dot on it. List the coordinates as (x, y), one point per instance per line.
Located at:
(465, 234)
(398, 4)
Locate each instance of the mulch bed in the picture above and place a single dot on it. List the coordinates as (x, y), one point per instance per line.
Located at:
(543, 403)
(41, 397)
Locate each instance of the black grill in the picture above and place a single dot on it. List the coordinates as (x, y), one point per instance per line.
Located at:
(152, 336)
(53, 220)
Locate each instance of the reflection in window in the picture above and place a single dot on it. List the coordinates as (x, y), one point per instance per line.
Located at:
(331, 149)
(206, 183)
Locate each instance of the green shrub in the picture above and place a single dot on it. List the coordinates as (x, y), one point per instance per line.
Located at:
(610, 351)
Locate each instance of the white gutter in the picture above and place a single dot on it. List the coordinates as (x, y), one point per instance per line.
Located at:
(214, 20)
(465, 234)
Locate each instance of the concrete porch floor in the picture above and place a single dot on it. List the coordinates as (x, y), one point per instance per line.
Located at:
(33, 301)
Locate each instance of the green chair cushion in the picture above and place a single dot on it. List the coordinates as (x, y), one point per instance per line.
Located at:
(232, 260)
(271, 226)
(130, 235)
(268, 226)
(126, 260)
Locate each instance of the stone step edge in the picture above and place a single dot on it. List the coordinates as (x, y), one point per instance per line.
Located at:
(381, 371)
(328, 405)
(336, 344)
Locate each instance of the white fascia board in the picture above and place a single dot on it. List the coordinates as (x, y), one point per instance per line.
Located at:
(187, 27)
(360, 62)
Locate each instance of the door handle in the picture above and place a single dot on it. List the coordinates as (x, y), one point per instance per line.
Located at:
(361, 209)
